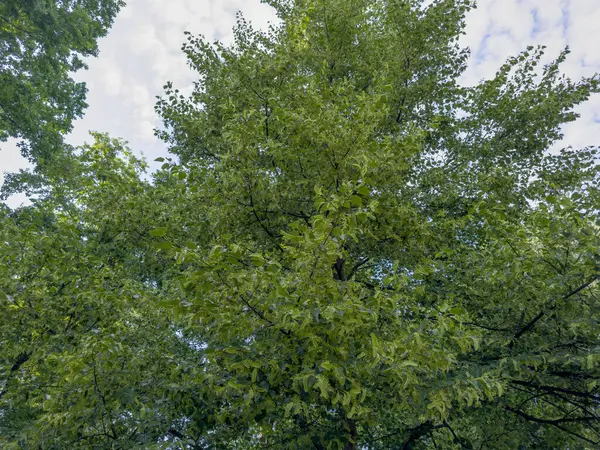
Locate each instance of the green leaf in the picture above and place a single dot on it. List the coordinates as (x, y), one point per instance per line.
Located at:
(190, 244)
(408, 363)
(162, 245)
(158, 232)
(356, 200)
(363, 190)
(327, 365)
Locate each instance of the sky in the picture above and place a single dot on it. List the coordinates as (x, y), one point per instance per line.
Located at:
(143, 51)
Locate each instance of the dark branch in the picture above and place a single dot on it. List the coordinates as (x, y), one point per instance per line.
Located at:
(542, 313)
(555, 423)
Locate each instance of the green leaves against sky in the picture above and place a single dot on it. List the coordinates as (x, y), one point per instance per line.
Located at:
(41, 43)
(348, 250)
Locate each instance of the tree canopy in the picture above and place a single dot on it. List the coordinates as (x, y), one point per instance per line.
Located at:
(348, 249)
(42, 43)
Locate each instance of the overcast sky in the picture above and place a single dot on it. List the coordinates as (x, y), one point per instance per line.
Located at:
(142, 52)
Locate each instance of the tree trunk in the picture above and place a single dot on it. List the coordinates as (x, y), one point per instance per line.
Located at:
(350, 425)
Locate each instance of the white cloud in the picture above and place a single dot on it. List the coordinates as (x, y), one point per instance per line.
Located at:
(509, 16)
(11, 160)
(584, 26)
(112, 82)
(498, 29)
(139, 95)
(501, 46)
(127, 11)
(146, 131)
(174, 12)
(143, 39)
(548, 14)
(173, 37)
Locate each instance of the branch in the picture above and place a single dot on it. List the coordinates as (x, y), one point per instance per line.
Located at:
(186, 439)
(456, 438)
(256, 311)
(102, 399)
(373, 287)
(260, 314)
(556, 423)
(485, 327)
(176, 434)
(542, 313)
(357, 266)
(300, 215)
(415, 434)
(21, 359)
(585, 395)
(259, 220)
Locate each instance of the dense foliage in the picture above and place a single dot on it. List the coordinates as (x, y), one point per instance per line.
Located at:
(351, 251)
(41, 45)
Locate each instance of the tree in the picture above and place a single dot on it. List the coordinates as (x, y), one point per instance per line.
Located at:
(80, 332)
(41, 44)
(353, 252)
